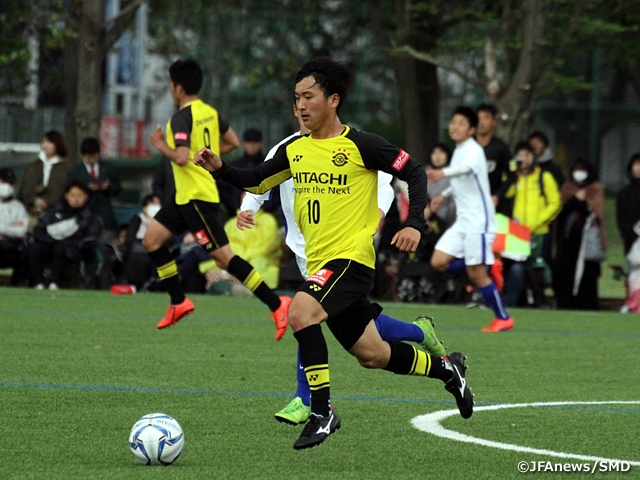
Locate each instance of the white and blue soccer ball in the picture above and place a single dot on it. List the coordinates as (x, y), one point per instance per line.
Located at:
(156, 439)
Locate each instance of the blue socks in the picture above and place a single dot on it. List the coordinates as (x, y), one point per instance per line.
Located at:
(389, 329)
(457, 266)
(492, 296)
(303, 391)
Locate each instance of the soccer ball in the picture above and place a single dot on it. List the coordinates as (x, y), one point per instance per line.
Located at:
(156, 439)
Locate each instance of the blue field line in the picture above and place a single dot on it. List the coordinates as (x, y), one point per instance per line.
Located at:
(200, 318)
(558, 333)
(108, 388)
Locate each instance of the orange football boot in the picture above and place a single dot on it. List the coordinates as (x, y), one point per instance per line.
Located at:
(281, 316)
(176, 312)
(498, 325)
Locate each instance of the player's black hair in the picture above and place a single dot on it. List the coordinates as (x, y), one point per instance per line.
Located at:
(331, 76)
(540, 136)
(488, 107)
(188, 74)
(468, 113)
(524, 145)
(78, 184)
(89, 146)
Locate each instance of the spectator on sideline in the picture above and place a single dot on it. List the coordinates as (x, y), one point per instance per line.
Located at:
(164, 185)
(66, 234)
(13, 226)
(252, 156)
(138, 268)
(43, 182)
(102, 179)
(540, 144)
(261, 245)
(581, 239)
(628, 205)
(533, 199)
(496, 151)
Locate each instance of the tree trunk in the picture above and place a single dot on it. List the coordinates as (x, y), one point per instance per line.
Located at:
(517, 101)
(418, 90)
(417, 82)
(90, 59)
(70, 54)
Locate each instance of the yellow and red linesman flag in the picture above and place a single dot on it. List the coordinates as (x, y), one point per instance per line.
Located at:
(511, 237)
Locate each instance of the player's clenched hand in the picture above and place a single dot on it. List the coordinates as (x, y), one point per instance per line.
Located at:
(157, 138)
(245, 220)
(208, 160)
(406, 240)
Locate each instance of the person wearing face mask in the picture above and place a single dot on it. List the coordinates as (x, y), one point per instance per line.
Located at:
(138, 267)
(66, 235)
(581, 243)
(13, 226)
(44, 180)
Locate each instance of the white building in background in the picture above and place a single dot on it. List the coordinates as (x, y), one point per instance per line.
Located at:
(136, 95)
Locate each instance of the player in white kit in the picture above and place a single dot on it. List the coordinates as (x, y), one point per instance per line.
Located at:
(467, 244)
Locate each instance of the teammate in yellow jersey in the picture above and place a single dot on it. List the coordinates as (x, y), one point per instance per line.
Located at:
(334, 171)
(195, 207)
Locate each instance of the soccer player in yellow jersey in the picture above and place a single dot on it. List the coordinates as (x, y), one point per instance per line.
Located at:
(334, 171)
(195, 207)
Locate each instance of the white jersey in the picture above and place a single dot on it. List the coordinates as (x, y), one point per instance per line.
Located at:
(293, 236)
(471, 192)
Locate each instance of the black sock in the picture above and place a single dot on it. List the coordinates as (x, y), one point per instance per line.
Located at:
(407, 360)
(168, 273)
(314, 357)
(243, 271)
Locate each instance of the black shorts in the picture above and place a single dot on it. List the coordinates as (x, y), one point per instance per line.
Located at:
(342, 286)
(202, 219)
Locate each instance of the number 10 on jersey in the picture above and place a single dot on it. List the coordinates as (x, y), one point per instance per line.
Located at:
(313, 210)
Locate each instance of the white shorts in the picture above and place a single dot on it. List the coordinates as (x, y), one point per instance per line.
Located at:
(475, 248)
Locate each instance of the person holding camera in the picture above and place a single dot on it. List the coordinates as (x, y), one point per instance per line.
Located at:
(531, 197)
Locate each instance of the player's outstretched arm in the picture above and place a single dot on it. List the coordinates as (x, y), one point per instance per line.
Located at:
(208, 160)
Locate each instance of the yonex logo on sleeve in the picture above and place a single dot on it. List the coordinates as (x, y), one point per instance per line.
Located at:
(181, 136)
(400, 161)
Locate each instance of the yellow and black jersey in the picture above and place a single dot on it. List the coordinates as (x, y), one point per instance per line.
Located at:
(196, 125)
(336, 184)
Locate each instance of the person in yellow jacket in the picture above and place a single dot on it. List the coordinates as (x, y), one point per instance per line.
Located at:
(532, 198)
(261, 245)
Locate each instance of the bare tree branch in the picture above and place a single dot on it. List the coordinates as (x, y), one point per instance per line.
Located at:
(114, 27)
(441, 64)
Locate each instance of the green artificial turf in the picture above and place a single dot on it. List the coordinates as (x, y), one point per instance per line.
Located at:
(80, 367)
